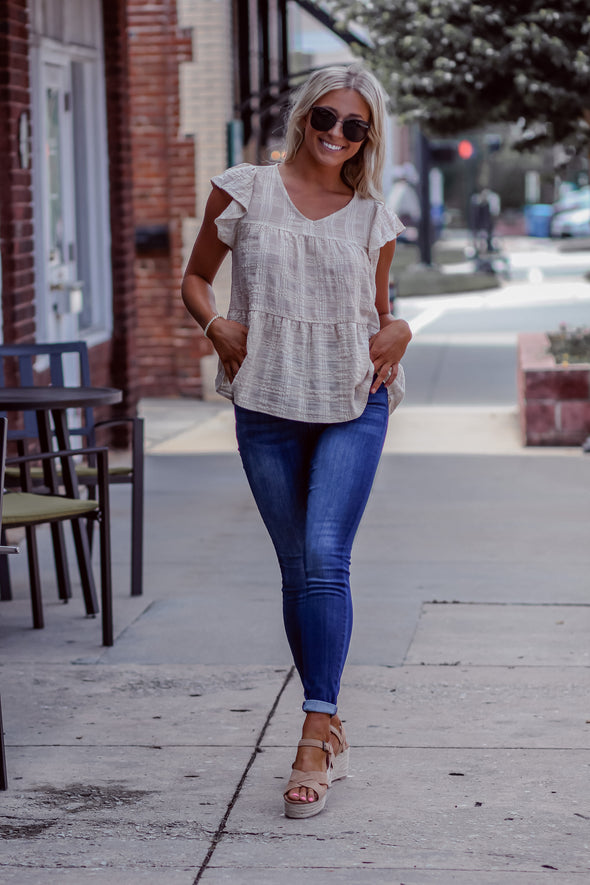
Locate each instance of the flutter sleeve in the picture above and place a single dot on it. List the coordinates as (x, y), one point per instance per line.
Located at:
(238, 182)
(386, 227)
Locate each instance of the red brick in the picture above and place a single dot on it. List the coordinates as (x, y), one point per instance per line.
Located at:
(574, 416)
(18, 295)
(539, 423)
(163, 182)
(558, 383)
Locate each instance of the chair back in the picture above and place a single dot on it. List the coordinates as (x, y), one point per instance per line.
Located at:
(3, 428)
(17, 369)
(4, 579)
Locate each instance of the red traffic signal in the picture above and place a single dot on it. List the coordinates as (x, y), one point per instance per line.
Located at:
(465, 149)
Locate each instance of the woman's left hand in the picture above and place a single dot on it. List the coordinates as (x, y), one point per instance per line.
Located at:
(386, 349)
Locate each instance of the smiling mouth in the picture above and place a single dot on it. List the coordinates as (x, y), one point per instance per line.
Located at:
(332, 147)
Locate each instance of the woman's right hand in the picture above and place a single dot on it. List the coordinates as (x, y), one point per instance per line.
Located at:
(229, 340)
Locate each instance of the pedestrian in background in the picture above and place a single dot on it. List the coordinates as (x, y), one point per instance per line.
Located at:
(484, 209)
(310, 356)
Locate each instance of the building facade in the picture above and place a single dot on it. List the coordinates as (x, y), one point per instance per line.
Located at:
(103, 150)
(114, 115)
(66, 195)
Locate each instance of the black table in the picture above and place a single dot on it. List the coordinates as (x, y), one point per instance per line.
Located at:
(27, 398)
(55, 401)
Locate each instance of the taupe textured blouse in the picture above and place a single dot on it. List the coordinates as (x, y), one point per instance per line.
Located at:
(306, 291)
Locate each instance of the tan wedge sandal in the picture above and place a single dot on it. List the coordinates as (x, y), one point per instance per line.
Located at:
(319, 781)
(341, 755)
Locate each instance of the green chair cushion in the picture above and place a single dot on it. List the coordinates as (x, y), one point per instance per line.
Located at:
(82, 470)
(24, 508)
(120, 470)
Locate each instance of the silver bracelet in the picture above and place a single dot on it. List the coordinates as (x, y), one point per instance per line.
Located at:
(206, 329)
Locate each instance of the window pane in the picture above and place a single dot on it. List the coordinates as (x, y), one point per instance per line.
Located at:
(55, 193)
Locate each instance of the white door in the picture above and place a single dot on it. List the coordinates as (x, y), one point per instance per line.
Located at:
(63, 289)
(73, 285)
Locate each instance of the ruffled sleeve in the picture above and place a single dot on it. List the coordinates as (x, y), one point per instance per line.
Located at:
(238, 182)
(386, 227)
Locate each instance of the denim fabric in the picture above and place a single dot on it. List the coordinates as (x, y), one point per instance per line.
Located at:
(311, 483)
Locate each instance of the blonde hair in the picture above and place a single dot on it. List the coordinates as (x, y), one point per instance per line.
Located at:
(363, 172)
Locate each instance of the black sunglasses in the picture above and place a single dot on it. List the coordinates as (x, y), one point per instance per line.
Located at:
(323, 119)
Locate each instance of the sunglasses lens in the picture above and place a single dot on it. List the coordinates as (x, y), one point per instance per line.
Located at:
(323, 119)
(354, 130)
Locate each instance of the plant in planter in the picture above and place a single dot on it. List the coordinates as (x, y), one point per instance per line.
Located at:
(570, 345)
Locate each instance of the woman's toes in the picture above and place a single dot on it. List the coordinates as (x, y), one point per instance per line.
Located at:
(301, 795)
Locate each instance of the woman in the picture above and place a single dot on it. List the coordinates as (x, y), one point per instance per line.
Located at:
(309, 353)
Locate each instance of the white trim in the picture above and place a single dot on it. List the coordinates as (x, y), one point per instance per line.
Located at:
(40, 223)
(92, 210)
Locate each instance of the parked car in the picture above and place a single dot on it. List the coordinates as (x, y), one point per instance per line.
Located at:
(571, 214)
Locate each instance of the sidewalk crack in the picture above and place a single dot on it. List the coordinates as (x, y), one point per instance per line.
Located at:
(221, 828)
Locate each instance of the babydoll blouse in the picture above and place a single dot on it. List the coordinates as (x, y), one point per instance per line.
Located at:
(305, 289)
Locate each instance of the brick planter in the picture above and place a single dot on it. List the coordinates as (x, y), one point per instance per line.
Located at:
(554, 400)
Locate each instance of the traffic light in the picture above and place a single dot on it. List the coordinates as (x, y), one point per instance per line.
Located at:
(442, 152)
(445, 152)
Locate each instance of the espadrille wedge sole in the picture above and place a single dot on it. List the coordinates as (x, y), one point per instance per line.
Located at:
(341, 755)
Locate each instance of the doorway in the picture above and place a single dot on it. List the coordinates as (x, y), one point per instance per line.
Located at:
(72, 235)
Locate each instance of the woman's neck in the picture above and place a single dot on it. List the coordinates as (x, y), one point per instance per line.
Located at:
(309, 172)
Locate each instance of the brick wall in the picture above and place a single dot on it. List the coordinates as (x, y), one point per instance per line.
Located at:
(16, 205)
(119, 355)
(164, 196)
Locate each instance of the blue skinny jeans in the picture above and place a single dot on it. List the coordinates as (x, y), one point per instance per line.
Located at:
(311, 483)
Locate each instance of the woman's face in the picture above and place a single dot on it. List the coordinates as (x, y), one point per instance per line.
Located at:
(332, 148)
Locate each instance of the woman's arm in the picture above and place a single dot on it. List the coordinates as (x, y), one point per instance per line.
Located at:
(228, 337)
(388, 346)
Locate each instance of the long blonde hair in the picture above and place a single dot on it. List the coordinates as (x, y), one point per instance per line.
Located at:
(363, 172)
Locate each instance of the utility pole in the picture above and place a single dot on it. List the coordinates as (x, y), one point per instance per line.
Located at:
(424, 235)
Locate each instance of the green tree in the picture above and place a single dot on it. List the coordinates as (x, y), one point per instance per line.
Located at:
(454, 65)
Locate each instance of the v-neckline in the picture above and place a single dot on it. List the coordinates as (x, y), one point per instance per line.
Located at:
(299, 212)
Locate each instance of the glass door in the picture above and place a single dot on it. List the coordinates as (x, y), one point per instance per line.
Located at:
(63, 289)
(71, 209)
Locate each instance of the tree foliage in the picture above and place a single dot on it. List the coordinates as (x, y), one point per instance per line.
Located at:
(453, 65)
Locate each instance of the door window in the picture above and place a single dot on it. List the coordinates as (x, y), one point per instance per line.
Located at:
(54, 179)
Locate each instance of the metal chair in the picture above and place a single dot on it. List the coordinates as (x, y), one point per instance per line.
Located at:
(29, 509)
(21, 359)
(4, 550)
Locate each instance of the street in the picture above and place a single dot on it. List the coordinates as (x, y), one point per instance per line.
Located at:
(464, 346)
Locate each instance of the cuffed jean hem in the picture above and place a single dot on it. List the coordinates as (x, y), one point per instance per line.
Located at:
(319, 707)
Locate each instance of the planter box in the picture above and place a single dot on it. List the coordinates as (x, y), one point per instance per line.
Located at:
(554, 400)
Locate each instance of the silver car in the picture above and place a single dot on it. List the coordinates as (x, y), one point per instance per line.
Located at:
(571, 214)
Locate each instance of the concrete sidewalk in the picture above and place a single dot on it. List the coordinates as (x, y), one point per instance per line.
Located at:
(162, 760)
(186, 427)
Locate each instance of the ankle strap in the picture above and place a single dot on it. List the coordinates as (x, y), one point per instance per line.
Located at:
(321, 745)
